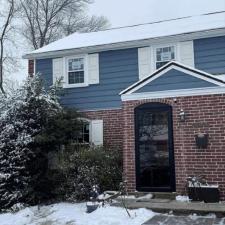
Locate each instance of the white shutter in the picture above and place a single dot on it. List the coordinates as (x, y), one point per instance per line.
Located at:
(96, 132)
(57, 69)
(144, 62)
(186, 53)
(93, 69)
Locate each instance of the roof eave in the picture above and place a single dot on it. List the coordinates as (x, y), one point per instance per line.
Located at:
(129, 44)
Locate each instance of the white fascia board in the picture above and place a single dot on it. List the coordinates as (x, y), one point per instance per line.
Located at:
(197, 70)
(129, 44)
(210, 78)
(173, 93)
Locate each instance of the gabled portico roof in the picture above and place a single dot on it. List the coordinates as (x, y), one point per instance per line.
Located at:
(205, 79)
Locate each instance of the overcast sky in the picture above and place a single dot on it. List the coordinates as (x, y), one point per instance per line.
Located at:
(129, 12)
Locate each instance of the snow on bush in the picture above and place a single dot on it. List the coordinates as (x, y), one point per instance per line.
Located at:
(23, 114)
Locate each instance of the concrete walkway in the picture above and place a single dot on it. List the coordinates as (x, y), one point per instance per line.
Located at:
(182, 208)
(182, 220)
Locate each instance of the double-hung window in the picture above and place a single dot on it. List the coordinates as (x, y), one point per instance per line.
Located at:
(76, 71)
(164, 55)
(84, 133)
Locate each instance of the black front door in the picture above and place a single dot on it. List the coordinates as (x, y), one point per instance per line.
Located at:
(154, 148)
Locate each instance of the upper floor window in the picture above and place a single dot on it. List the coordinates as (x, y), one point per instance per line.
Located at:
(76, 72)
(164, 55)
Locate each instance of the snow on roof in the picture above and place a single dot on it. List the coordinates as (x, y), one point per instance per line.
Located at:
(138, 32)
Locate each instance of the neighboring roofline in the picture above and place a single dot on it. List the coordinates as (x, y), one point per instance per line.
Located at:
(173, 93)
(161, 21)
(172, 65)
(129, 44)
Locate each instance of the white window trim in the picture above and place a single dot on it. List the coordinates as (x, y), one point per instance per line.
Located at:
(154, 47)
(66, 71)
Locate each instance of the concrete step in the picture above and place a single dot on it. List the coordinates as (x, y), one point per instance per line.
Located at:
(178, 208)
(158, 195)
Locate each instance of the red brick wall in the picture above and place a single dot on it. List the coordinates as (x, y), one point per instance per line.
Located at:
(112, 126)
(204, 114)
(31, 67)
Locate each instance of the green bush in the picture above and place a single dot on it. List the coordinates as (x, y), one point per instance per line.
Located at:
(83, 167)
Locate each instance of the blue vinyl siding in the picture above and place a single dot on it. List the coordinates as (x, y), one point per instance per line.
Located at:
(174, 80)
(210, 54)
(44, 68)
(118, 70)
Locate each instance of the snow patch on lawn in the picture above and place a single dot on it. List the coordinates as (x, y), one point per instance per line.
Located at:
(75, 214)
(20, 218)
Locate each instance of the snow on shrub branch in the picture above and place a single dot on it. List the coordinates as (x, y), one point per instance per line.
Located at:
(23, 114)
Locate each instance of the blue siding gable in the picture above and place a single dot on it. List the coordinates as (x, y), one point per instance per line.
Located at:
(118, 70)
(174, 80)
(210, 54)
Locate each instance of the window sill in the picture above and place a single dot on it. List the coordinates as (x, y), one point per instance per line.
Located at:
(75, 85)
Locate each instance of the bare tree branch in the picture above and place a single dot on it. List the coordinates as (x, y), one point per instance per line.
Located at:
(49, 20)
(3, 36)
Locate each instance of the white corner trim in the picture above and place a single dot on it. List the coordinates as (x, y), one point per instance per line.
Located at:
(174, 93)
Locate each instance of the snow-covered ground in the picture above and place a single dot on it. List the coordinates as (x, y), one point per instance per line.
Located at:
(75, 214)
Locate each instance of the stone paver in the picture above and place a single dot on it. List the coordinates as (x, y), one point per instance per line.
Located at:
(183, 220)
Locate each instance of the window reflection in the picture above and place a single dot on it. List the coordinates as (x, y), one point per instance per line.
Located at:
(153, 148)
